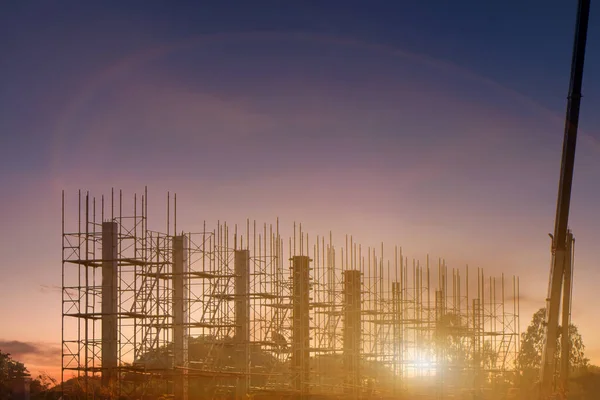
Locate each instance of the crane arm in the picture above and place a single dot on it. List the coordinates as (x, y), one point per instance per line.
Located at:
(560, 256)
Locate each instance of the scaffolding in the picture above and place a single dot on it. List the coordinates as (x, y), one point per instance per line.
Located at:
(123, 300)
(218, 313)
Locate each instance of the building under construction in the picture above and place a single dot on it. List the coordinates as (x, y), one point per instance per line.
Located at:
(265, 310)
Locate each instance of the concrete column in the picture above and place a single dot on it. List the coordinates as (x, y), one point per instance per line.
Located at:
(300, 324)
(180, 302)
(242, 319)
(110, 349)
(352, 328)
(20, 388)
(441, 335)
(477, 344)
(398, 333)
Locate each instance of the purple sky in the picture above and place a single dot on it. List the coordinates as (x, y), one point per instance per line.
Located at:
(437, 129)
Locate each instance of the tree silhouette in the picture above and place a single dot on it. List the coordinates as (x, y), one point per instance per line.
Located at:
(9, 370)
(449, 337)
(532, 342)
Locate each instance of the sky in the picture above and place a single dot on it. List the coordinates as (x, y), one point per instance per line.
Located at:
(434, 125)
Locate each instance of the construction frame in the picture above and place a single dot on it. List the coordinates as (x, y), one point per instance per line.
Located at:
(237, 310)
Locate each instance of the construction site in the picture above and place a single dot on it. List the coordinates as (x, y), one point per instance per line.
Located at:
(269, 311)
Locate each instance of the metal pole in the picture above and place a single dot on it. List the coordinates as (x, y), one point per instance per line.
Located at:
(563, 201)
(566, 318)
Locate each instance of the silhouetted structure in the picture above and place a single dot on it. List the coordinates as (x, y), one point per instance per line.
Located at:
(335, 320)
(352, 328)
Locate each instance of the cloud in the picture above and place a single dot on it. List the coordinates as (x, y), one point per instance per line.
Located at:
(37, 356)
(50, 289)
(15, 347)
(18, 348)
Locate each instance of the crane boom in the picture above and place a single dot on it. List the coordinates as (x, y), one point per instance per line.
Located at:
(571, 124)
(560, 256)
